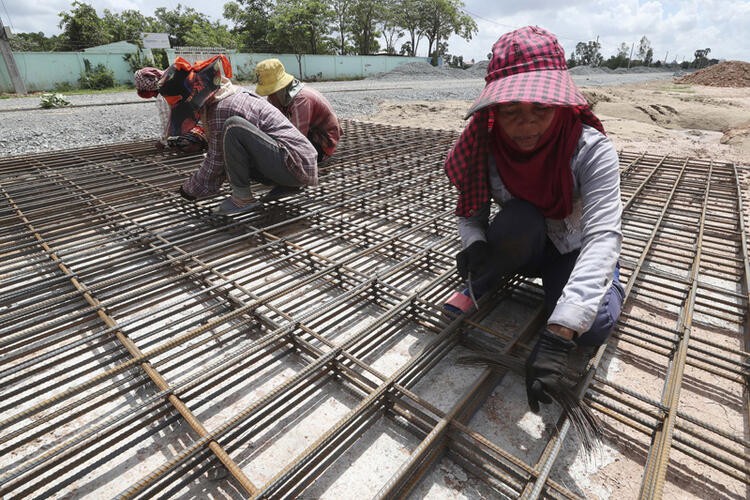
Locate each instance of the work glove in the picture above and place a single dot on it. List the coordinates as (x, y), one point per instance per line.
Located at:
(186, 195)
(474, 259)
(545, 368)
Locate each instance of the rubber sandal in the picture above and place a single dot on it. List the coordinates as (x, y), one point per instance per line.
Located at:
(459, 303)
(229, 207)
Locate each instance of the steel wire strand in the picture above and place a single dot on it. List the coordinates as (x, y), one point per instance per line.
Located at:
(167, 306)
(156, 377)
(606, 404)
(600, 386)
(403, 480)
(159, 398)
(656, 464)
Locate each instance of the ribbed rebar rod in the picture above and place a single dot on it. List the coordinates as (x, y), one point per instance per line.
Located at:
(658, 459)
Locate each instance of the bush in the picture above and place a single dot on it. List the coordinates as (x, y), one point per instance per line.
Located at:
(53, 101)
(100, 77)
(136, 61)
(63, 87)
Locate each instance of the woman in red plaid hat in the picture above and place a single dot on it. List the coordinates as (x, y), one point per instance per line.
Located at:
(534, 147)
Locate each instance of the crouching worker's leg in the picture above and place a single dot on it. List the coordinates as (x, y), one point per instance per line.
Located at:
(515, 243)
(251, 155)
(588, 343)
(606, 317)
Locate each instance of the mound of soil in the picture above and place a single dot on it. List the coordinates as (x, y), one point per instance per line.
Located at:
(724, 74)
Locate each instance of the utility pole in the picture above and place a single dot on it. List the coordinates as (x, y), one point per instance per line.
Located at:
(665, 58)
(598, 61)
(10, 63)
(632, 46)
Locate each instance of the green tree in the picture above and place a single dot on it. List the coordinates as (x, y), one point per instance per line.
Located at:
(620, 60)
(251, 20)
(411, 16)
(645, 52)
(179, 22)
(405, 49)
(82, 27)
(301, 27)
(444, 18)
(701, 58)
(342, 21)
(210, 34)
(128, 25)
(389, 26)
(33, 42)
(366, 15)
(587, 54)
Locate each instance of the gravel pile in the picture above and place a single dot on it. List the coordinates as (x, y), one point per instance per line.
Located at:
(588, 70)
(421, 71)
(478, 69)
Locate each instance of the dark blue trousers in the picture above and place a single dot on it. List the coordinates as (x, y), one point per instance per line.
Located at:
(518, 237)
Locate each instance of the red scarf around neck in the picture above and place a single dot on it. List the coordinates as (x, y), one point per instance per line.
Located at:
(543, 176)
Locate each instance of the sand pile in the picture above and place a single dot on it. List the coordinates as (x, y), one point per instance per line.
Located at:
(724, 74)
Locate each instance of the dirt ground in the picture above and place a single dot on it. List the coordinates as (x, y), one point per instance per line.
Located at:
(658, 117)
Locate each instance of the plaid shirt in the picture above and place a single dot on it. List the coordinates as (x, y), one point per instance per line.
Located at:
(466, 163)
(313, 115)
(301, 157)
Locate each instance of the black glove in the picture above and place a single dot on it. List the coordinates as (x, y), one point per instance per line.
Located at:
(545, 368)
(473, 259)
(186, 195)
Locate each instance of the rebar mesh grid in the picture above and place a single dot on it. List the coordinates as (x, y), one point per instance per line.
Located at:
(149, 347)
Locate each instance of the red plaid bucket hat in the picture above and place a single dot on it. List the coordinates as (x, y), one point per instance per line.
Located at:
(146, 81)
(528, 65)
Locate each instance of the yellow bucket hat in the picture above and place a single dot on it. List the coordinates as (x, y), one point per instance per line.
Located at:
(271, 77)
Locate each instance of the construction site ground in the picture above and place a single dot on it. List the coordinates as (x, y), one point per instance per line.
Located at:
(149, 348)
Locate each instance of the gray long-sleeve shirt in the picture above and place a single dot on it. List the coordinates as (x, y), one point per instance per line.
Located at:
(593, 227)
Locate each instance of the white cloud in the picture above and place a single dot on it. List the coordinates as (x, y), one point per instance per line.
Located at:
(674, 27)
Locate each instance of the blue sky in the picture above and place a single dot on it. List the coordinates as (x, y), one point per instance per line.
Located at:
(675, 29)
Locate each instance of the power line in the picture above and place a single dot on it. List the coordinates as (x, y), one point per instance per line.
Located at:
(477, 16)
(7, 14)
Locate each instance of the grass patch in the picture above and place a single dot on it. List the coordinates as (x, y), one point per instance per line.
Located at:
(37, 93)
(681, 88)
